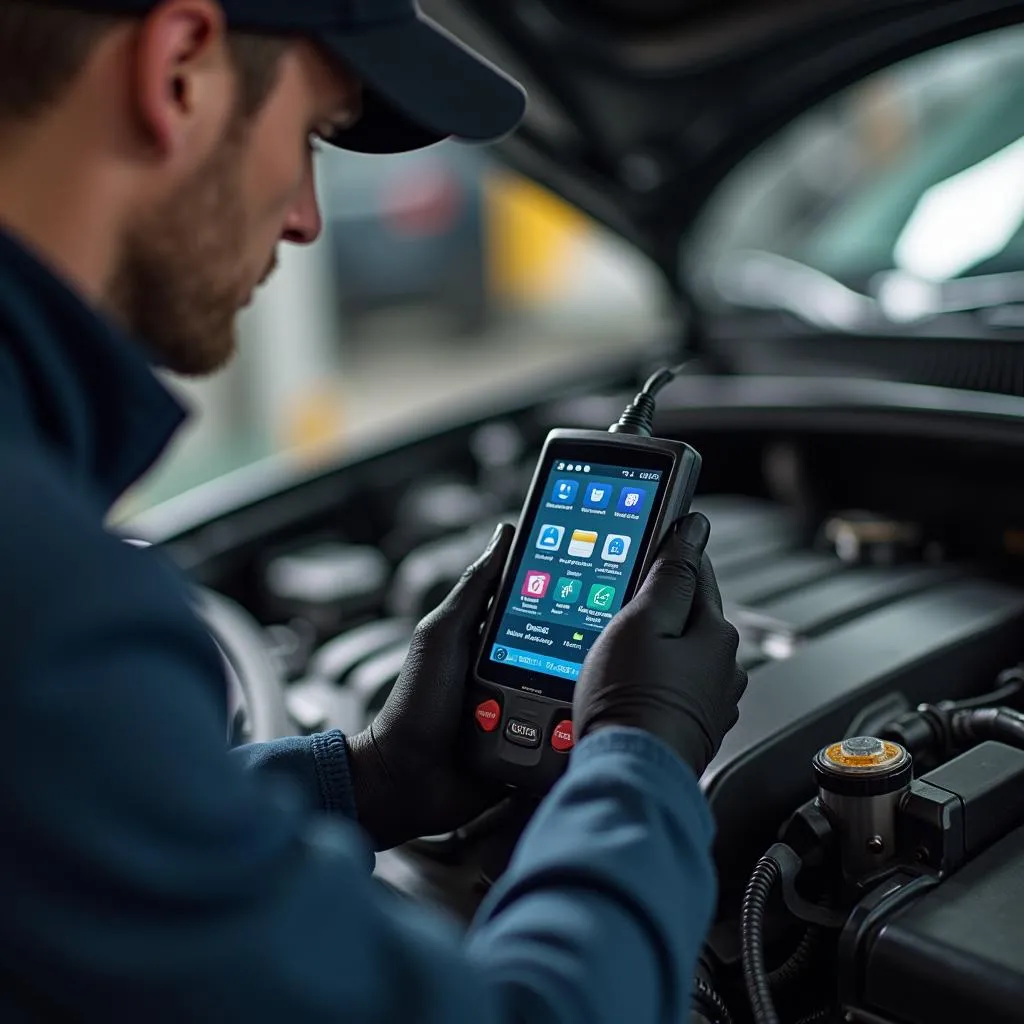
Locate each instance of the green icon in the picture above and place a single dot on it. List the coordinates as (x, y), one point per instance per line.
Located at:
(601, 597)
(577, 636)
(568, 591)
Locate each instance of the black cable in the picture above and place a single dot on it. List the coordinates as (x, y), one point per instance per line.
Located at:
(1009, 684)
(798, 961)
(638, 417)
(662, 377)
(755, 974)
(709, 1003)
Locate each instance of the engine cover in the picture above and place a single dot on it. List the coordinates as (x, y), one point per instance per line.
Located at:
(955, 953)
(823, 641)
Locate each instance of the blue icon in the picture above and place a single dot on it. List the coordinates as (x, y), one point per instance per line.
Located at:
(616, 548)
(550, 537)
(631, 499)
(564, 491)
(500, 654)
(597, 495)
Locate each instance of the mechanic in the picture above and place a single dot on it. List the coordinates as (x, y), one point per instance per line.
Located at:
(152, 157)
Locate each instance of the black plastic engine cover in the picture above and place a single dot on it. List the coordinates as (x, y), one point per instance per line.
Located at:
(946, 642)
(955, 953)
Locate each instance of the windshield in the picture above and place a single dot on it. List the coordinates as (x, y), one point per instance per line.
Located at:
(900, 201)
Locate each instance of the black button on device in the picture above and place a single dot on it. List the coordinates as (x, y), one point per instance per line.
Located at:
(526, 734)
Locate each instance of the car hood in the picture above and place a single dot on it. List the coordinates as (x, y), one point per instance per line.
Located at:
(639, 108)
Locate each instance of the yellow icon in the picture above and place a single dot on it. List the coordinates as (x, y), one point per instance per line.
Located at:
(583, 543)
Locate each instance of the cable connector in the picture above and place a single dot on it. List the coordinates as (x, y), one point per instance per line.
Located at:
(638, 416)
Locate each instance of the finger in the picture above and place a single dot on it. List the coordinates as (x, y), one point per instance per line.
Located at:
(468, 599)
(707, 584)
(668, 592)
(444, 640)
(739, 686)
(707, 616)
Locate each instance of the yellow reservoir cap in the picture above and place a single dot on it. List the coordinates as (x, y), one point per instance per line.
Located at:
(863, 754)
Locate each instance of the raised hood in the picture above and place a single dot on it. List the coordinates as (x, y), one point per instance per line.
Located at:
(638, 108)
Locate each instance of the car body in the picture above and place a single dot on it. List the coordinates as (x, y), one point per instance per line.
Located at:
(412, 232)
(862, 446)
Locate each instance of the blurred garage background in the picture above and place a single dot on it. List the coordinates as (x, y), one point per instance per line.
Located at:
(442, 277)
(439, 276)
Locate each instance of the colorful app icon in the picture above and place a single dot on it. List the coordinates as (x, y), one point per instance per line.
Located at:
(601, 597)
(536, 584)
(550, 537)
(583, 543)
(631, 499)
(616, 547)
(597, 495)
(564, 491)
(577, 636)
(567, 591)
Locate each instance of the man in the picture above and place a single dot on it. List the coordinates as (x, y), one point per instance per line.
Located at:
(152, 156)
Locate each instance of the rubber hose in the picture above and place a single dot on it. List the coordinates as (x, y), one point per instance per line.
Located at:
(1003, 724)
(1009, 727)
(755, 974)
(798, 961)
(710, 1003)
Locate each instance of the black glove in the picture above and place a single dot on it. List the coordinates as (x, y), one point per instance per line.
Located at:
(667, 662)
(405, 776)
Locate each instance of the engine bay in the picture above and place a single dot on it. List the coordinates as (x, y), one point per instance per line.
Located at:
(849, 618)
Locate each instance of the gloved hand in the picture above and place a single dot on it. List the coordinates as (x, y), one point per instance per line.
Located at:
(405, 776)
(667, 662)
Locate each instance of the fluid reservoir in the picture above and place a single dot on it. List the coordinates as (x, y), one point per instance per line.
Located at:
(861, 781)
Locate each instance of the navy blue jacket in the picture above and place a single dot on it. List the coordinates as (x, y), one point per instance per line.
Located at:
(146, 875)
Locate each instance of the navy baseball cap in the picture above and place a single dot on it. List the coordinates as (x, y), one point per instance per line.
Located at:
(421, 84)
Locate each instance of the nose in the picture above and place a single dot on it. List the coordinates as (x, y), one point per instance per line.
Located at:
(304, 222)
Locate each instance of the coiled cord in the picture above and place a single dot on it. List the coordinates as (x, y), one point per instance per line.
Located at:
(755, 974)
(798, 961)
(709, 1003)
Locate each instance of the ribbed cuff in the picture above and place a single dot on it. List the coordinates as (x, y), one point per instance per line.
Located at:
(332, 771)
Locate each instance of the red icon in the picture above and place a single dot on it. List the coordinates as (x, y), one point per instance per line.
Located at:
(536, 584)
(488, 715)
(561, 738)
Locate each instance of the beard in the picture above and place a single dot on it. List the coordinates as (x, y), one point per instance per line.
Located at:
(181, 279)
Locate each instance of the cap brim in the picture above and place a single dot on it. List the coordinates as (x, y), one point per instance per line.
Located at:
(421, 86)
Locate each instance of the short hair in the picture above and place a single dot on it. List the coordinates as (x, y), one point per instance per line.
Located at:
(44, 46)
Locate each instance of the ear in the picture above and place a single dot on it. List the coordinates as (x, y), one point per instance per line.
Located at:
(184, 86)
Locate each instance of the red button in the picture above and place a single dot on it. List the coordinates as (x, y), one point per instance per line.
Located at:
(488, 715)
(561, 738)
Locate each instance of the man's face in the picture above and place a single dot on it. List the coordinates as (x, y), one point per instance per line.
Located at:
(194, 260)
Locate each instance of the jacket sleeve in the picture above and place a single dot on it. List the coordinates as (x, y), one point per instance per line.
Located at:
(158, 881)
(317, 765)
